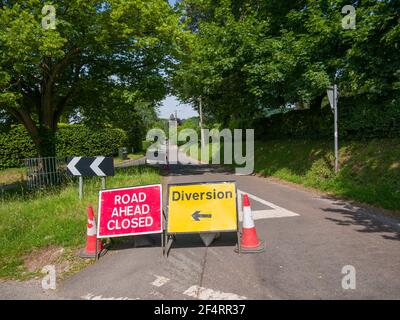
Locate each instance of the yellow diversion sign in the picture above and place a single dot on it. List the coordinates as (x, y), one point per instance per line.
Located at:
(204, 207)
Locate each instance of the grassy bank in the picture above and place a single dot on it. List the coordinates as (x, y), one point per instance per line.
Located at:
(31, 222)
(370, 170)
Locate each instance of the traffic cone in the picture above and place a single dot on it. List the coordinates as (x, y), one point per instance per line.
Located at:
(90, 250)
(249, 242)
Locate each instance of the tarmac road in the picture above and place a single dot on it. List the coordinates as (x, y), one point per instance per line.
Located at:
(309, 239)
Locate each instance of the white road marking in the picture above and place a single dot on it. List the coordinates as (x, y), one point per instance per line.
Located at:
(160, 281)
(274, 212)
(209, 294)
(91, 296)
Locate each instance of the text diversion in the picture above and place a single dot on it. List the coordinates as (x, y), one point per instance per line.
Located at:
(134, 206)
(210, 195)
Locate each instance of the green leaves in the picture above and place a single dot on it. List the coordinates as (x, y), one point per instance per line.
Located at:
(70, 140)
(119, 46)
(248, 56)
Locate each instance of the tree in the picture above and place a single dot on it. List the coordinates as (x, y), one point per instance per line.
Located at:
(227, 63)
(132, 111)
(248, 57)
(96, 47)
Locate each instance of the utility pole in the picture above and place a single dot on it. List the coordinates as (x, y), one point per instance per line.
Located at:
(203, 143)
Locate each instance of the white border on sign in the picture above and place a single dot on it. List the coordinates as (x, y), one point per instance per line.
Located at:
(129, 234)
(200, 183)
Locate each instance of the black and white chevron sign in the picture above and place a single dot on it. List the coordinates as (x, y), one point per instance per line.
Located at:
(90, 166)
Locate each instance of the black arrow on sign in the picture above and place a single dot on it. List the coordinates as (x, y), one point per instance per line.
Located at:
(197, 215)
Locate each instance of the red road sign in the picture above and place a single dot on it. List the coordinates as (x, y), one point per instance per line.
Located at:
(130, 211)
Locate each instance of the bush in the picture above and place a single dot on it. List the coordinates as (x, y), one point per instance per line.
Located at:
(357, 120)
(78, 140)
(71, 140)
(15, 146)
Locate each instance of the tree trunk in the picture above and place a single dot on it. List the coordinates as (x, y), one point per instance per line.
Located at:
(48, 108)
(46, 143)
(45, 172)
(43, 136)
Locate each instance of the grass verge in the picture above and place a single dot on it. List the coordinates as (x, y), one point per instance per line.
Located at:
(32, 222)
(369, 171)
(13, 175)
(131, 156)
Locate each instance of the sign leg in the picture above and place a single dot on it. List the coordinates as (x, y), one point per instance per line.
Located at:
(80, 187)
(164, 234)
(97, 249)
(170, 240)
(238, 237)
(162, 243)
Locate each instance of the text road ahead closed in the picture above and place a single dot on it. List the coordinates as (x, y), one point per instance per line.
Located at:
(130, 211)
(204, 207)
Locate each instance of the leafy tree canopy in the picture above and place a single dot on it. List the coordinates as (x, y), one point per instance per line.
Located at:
(247, 57)
(103, 56)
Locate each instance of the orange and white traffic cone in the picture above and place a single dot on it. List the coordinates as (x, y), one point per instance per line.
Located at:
(90, 250)
(249, 242)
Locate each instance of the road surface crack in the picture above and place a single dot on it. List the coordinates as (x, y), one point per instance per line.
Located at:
(203, 267)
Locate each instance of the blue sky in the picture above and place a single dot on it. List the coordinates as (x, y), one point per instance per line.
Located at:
(171, 103)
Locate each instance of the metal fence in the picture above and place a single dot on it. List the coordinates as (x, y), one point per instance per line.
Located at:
(45, 172)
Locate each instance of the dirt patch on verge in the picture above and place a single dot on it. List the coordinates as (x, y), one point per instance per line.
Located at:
(65, 261)
(37, 259)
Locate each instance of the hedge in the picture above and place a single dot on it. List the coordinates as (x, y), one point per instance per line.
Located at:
(71, 140)
(356, 121)
(15, 145)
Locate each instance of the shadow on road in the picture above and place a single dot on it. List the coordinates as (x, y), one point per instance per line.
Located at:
(353, 216)
(227, 239)
(150, 240)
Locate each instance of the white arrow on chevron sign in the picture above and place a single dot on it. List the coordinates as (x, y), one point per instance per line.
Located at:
(71, 166)
(95, 166)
